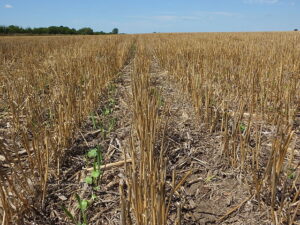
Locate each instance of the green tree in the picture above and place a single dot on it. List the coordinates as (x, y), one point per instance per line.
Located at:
(85, 30)
(3, 30)
(53, 30)
(14, 29)
(115, 31)
(99, 33)
(40, 30)
(28, 30)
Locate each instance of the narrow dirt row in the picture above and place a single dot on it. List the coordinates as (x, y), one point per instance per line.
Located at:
(214, 188)
(114, 115)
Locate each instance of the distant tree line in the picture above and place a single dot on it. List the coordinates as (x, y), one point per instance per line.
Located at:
(12, 29)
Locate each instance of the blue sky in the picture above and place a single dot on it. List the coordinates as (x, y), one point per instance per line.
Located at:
(141, 16)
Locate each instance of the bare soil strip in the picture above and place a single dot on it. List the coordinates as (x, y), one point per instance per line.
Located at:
(214, 188)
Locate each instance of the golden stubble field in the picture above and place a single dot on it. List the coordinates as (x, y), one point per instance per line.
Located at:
(198, 128)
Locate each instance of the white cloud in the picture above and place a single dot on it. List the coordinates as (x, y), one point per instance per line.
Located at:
(261, 1)
(7, 6)
(200, 15)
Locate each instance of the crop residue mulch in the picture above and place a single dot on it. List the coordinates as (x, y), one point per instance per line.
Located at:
(209, 193)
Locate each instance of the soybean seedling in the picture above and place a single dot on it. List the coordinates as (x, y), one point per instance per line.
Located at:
(95, 175)
(83, 206)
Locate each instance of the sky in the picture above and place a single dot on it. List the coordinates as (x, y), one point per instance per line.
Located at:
(141, 16)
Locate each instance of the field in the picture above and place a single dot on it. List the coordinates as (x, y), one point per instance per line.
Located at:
(157, 129)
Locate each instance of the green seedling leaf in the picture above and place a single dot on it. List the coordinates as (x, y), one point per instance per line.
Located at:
(106, 111)
(94, 121)
(95, 174)
(242, 127)
(93, 197)
(69, 214)
(84, 205)
(89, 180)
(93, 153)
(97, 188)
(291, 176)
(112, 102)
(79, 201)
(209, 178)
(95, 165)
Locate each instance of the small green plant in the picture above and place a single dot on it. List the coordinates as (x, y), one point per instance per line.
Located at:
(106, 124)
(107, 111)
(83, 205)
(291, 173)
(95, 174)
(209, 178)
(161, 101)
(93, 179)
(243, 127)
(94, 121)
(112, 102)
(112, 124)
